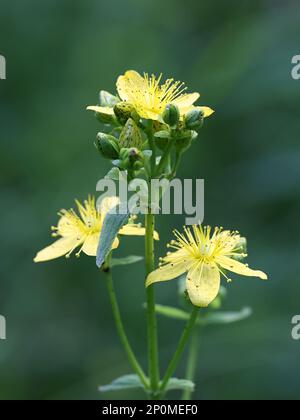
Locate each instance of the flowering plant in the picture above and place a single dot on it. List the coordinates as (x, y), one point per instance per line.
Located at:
(149, 125)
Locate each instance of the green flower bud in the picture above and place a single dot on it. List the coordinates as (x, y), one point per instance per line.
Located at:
(183, 140)
(123, 111)
(124, 154)
(162, 139)
(131, 135)
(107, 145)
(131, 158)
(171, 115)
(194, 119)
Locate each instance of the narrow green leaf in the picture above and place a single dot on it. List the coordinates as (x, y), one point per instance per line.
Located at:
(180, 384)
(113, 222)
(210, 318)
(225, 317)
(124, 382)
(171, 312)
(132, 259)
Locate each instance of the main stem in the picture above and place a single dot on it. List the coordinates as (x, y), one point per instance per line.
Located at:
(181, 346)
(121, 331)
(151, 315)
(192, 363)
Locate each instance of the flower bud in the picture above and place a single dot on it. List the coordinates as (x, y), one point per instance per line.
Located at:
(107, 145)
(123, 111)
(194, 119)
(162, 139)
(184, 141)
(171, 115)
(131, 158)
(131, 135)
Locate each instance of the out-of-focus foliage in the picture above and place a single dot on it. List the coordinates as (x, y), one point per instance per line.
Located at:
(61, 338)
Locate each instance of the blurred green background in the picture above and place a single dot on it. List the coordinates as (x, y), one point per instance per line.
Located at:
(60, 53)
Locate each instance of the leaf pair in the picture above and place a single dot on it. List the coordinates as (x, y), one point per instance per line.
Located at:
(133, 382)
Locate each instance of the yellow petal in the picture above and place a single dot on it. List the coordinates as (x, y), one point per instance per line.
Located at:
(180, 255)
(115, 244)
(166, 272)
(90, 245)
(149, 115)
(240, 268)
(107, 204)
(131, 80)
(101, 109)
(207, 111)
(70, 226)
(135, 230)
(59, 248)
(203, 284)
(185, 101)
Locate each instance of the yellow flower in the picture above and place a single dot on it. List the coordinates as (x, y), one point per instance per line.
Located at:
(204, 256)
(84, 230)
(150, 98)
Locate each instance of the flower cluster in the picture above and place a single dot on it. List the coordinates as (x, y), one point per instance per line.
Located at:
(148, 125)
(142, 105)
(147, 117)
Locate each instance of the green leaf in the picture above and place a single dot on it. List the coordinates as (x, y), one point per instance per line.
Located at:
(116, 175)
(211, 318)
(225, 317)
(131, 135)
(132, 259)
(117, 163)
(113, 222)
(124, 382)
(147, 153)
(113, 174)
(171, 312)
(162, 134)
(180, 384)
(107, 99)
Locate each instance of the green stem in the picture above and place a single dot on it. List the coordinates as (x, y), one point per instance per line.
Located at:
(192, 362)
(164, 158)
(151, 315)
(176, 165)
(120, 328)
(152, 146)
(180, 348)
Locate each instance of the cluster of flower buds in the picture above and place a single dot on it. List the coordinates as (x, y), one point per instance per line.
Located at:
(145, 118)
(131, 159)
(125, 151)
(182, 130)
